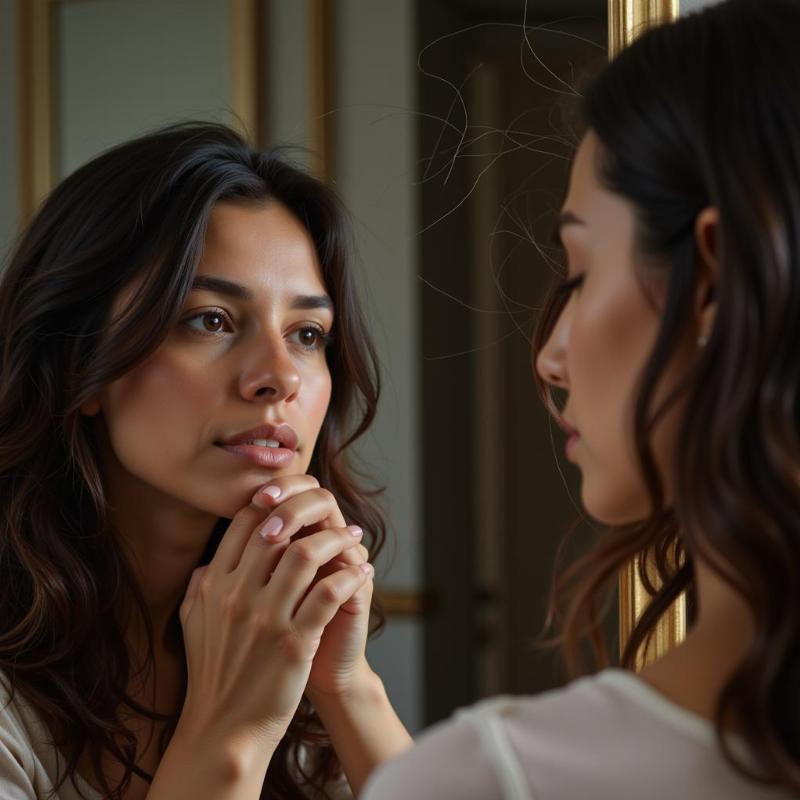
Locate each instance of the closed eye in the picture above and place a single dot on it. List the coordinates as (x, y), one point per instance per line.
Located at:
(567, 287)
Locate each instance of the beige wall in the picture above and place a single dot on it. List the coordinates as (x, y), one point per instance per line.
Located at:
(375, 164)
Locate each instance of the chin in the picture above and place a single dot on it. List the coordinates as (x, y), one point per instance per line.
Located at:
(613, 508)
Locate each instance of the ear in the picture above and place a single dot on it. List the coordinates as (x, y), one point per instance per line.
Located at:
(91, 407)
(706, 234)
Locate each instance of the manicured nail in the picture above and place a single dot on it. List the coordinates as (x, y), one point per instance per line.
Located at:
(366, 568)
(273, 491)
(272, 527)
(355, 530)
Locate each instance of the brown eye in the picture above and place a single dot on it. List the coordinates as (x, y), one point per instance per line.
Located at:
(308, 337)
(212, 321)
(311, 338)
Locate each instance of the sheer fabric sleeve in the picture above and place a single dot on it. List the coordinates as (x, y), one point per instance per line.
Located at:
(448, 762)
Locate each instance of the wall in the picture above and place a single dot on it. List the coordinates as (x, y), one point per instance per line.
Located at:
(119, 74)
(687, 6)
(374, 173)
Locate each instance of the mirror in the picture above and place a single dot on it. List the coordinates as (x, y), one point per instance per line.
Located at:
(444, 125)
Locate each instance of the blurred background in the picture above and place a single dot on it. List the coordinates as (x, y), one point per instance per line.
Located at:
(446, 127)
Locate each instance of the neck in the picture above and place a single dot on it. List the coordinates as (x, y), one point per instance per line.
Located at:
(162, 539)
(694, 672)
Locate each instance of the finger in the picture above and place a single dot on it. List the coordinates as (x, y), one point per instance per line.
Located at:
(312, 507)
(352, 557)
(328, 596)
(261, 555)
(280, 489)
(361, 601)
(191, 594)
(298, 566)
(230, 549)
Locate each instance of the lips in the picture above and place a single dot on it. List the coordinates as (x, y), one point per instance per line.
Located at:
(283, 434)
(567, 428)
(241, 446)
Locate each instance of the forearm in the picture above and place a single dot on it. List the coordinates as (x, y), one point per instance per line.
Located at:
(364, 729)
(195, 766)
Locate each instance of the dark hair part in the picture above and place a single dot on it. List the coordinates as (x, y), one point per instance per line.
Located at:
(703, 112)
(137, 212)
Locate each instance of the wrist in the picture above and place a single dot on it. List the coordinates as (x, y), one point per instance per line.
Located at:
(233, 752)
(365, 688)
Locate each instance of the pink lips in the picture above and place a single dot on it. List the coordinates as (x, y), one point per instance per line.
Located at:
(268, 457)
(573, 437)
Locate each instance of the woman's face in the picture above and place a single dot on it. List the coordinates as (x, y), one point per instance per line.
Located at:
(248, 351)
(600, 344)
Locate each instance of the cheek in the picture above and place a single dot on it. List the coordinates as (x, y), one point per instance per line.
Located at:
(159, 401)
(315, 397)
(610, 339)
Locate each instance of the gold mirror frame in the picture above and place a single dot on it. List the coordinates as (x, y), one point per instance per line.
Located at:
(36, 96)
(626, 20)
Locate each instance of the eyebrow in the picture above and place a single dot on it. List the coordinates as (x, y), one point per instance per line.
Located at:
(305, 302)
(564, 219)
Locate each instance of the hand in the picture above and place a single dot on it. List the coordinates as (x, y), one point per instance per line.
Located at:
(252, 622)
(301, 505)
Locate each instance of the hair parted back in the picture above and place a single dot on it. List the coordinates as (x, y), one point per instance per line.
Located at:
(137, 212)
(705, 111)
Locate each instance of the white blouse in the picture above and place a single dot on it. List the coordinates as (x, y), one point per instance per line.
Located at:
(29, 762)
(606, 737)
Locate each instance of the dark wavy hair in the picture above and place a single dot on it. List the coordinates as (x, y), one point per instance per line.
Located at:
(137, 212)
(705, 111)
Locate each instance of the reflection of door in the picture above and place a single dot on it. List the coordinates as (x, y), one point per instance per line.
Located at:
(496, 506)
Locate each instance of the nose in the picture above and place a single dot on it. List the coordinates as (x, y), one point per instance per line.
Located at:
(551, 359)
(268, 372)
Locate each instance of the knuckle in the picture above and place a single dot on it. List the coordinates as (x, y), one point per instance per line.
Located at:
(363, 552)
(325, 494)
(302, 552)
(205, 586)
(233, 606)
(262, 621)
(329, 593)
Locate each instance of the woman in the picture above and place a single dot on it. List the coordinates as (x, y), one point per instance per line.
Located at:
(180, 329)
(674, 339)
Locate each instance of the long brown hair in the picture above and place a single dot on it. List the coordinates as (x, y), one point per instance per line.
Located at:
(136, 212)
(703, 112)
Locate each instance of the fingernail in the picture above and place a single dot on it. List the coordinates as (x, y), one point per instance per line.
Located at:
(366, 568)
(355, 530)
(273, 491)
(271, 527)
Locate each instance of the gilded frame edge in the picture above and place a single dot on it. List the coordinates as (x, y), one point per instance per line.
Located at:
(626, 20)
(36, 94)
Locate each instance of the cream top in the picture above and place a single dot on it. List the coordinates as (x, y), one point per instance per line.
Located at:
(29, 762)
(605, 737)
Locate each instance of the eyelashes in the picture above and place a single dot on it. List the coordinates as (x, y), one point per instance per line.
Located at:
(567, 287)
(321, 339)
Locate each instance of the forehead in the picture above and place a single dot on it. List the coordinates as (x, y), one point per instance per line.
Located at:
(262, 246)
(583, 183)
(609, 217)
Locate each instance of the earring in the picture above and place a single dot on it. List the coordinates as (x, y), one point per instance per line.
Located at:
(702, 341)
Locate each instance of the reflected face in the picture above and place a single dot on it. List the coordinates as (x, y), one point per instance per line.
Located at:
(248, 351)
(600, 344)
